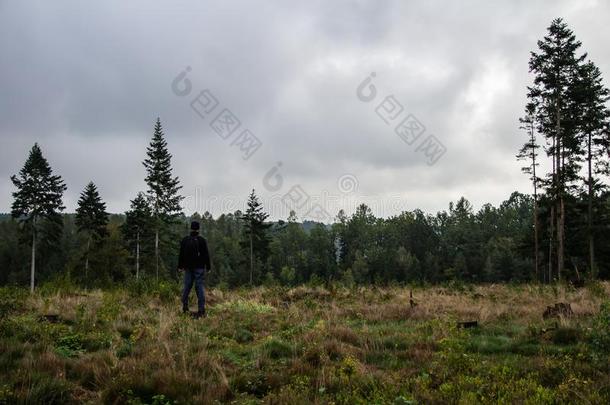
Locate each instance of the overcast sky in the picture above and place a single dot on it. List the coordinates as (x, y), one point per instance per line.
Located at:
(87, 81)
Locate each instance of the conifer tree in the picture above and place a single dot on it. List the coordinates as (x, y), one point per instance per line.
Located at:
(163, 187)
(529, 153)
(255, 232)
(592, 96)
(38, 198)
(555, 66)
(137, 221)
(91, 218)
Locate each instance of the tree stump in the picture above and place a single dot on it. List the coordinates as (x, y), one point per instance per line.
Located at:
(560, 309)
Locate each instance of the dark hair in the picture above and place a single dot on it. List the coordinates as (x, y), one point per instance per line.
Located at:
(194, 226)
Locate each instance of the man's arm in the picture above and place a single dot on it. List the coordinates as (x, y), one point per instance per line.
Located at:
(181, 256)
(206, 254)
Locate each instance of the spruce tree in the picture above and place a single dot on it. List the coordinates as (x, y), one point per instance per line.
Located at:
(38, 198)
(163, 188)
(555, 67)
(592, 95)
(91, 218)
(255, 239)
(529, 153)
(137, 221)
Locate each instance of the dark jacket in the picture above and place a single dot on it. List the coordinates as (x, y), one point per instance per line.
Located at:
(194, 255)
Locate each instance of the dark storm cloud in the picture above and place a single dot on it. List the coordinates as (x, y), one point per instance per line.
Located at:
(87, 82)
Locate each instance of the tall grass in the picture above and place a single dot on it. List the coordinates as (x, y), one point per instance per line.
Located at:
(304, 345)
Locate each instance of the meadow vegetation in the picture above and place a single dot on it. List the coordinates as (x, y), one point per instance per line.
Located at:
(307, 344)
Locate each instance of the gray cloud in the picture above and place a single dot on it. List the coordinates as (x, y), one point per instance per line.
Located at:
(87, 82)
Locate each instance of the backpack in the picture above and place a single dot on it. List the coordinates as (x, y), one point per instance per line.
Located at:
(192, 249)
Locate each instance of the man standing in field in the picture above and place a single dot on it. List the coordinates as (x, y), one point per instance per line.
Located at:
(194, 260)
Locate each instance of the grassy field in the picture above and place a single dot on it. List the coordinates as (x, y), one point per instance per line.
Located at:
(306, 345)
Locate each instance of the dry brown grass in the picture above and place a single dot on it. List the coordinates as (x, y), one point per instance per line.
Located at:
(259, 340)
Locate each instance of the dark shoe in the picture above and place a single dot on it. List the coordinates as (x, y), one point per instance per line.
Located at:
(185, 310)
(200, 314)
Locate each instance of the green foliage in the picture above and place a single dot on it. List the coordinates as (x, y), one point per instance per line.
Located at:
(600, 333)
(288, 275)
(347, 279)
(48, 390)
(37, 203)
(566, 336)
(11, 299)
(488, 245)
(163, 188)
(167, 291)
(277, 349)
(70, 345)
(596, 289)
(243, 336)
(91, 215)
(39, 192)
(255, 239)
(7, 395)
(247, 307)
(163, 196)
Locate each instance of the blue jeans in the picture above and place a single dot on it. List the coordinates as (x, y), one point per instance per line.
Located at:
(190, 277)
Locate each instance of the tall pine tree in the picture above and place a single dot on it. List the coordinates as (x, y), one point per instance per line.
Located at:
(592, 95)
(91, 218)
(38, 198)
(163, 188)
(137, 222)
(529, 153)
(555, 67)
(255, 238)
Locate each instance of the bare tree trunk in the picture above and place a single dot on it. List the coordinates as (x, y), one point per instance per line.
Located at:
(251, 257)
(552, 216)
(551, 243)
(157, 252)
(561, 239)
(33, 264)
(536, 260)
(592, 266)
(87, 258)
(559, 190)
(534, 180)
(138, 255)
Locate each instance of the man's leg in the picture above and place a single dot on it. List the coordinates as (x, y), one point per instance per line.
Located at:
(186, 290)
(199, 289)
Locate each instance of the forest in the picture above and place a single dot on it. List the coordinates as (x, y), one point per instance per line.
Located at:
(558, 232)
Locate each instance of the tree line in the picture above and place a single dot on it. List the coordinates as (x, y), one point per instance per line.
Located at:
(558, 232)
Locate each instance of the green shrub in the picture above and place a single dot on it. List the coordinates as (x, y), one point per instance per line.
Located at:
(243, 336)
(277, 349)
(61, 284)
(7, 396)
(26, 328)
(347, 279)
(600, 333)
(11, 299)
(288, 275)
(596, 289)
(110, 309)
(48, 390)
(315, 281)
(125, 349)
(70, 345)
(167, 292)
(98, 340)
(566, 336)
